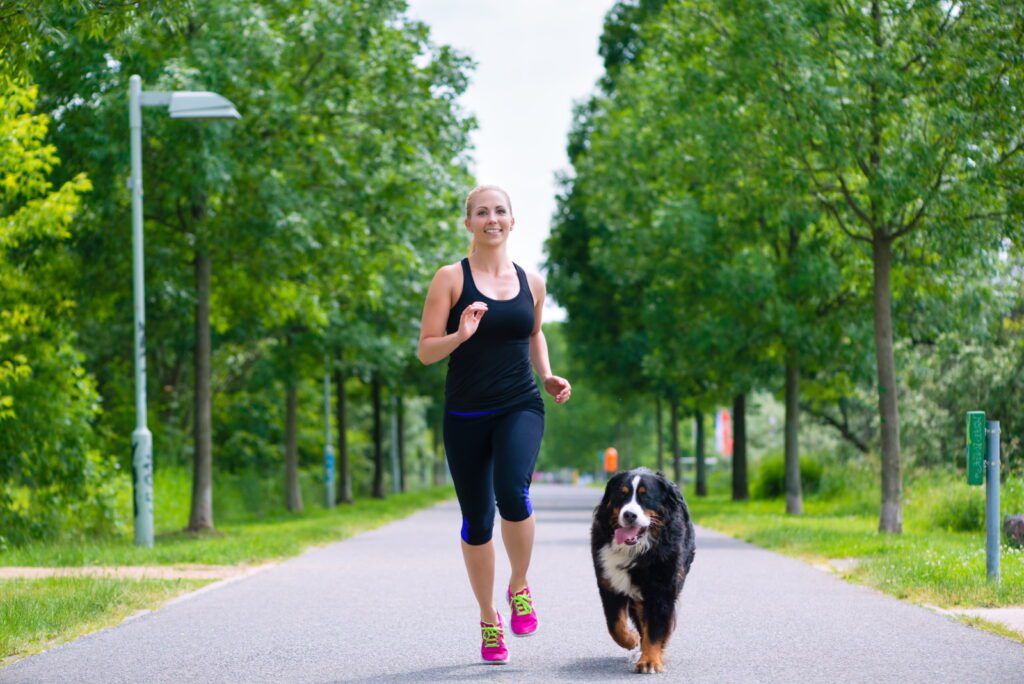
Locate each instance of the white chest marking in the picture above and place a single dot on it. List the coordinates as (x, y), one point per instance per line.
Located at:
(616, 559)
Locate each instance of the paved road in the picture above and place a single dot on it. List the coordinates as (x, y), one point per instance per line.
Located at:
(394, 604)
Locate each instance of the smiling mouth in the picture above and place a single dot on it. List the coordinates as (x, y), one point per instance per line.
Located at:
(629, 535)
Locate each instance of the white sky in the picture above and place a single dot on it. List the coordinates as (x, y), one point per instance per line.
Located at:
(534, 59)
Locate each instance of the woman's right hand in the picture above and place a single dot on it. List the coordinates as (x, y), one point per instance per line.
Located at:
(470, 320)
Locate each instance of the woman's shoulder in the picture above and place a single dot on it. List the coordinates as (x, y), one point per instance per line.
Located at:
(535, 278)
(536, 281)
(449, 273)
(449, 279)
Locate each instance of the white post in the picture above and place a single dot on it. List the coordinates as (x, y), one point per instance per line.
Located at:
(328, 450)
(992, 502)
(142, 439)
(396, 476)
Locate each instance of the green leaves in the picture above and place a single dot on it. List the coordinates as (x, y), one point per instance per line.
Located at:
(47, 401)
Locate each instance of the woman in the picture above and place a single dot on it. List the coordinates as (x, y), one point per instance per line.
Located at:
(485, 313)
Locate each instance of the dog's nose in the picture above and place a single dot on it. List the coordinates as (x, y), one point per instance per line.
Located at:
(628, 517)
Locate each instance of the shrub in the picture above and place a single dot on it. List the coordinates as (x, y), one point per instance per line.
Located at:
(949, 503)
(770, 477)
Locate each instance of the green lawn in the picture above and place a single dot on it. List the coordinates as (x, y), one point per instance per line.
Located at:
(36, 614)
(41, 613)
(250, 541)
(926, 564)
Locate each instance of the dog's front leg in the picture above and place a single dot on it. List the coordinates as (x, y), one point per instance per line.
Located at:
(615, 614)
(653, 637)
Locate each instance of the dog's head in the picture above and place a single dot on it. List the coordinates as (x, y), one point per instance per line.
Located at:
(637, 503)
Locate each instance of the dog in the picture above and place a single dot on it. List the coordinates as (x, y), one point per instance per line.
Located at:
(643, 544)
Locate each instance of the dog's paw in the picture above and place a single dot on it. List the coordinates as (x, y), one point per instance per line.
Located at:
(646, 665)
(633, 656)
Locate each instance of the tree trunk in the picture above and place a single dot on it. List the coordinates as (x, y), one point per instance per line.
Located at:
(794, 491)
(673, 413)
(293, 496)
(740, 490)
(378, 447)
(702, 480)
(891, 519)
(401, 444)
(657, 428)
(201, 517)
(344, 471)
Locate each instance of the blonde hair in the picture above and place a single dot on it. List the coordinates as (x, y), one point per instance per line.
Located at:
(469, 200)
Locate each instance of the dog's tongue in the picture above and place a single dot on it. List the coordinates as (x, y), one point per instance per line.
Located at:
(624, 534)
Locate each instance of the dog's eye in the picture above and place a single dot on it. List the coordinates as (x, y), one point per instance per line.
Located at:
(641, 490)
(625, 489)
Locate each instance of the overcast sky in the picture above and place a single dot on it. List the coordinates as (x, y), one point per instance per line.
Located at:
(534, 59)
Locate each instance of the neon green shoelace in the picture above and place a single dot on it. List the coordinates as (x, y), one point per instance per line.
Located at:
(492, 636)
(522, 603)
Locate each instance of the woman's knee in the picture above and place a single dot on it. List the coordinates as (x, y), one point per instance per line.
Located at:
(478, 529)
(514, 504)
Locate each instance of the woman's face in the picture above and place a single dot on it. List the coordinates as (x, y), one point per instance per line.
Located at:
(490, 218)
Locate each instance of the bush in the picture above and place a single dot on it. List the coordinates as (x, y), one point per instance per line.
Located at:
(770, 477)
(948, 503)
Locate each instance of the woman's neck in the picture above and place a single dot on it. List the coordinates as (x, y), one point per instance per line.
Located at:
(488, 260)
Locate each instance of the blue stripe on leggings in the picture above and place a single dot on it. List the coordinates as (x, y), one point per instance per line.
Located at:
(526, 498)
(465, 530)
(472, 413)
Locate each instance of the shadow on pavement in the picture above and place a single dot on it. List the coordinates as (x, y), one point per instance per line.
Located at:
(589, 669)
(452, 673)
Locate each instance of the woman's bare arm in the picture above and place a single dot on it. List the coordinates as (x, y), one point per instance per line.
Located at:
(435, 343)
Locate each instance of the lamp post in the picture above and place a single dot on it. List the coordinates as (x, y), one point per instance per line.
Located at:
(180, 105)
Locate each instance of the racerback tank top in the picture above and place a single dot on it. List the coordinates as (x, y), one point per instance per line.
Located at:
(491, 370)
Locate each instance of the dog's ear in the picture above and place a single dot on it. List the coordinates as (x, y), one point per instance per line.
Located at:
(613, 484)
(671, 489)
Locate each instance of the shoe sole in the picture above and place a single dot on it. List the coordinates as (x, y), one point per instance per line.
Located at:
(496, 662)
(521, 636)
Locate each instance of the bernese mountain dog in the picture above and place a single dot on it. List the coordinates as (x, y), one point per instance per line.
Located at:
(642, 542)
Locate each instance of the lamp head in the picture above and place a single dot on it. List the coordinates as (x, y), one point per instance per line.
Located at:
(201, 105)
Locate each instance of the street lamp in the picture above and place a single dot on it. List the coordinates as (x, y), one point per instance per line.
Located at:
(180, 105)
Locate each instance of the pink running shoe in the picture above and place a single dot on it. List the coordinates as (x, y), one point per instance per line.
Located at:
(524, 617)
(493, 649)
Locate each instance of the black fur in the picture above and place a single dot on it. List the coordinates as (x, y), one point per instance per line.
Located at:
(656, 571)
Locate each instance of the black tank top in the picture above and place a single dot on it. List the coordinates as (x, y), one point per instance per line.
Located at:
(491, 370)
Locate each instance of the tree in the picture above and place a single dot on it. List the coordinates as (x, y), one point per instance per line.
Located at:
(900, 116)
(47, 399)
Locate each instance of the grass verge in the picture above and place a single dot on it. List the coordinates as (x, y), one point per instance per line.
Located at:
(248, 541)
(38, 614)
(940, 567)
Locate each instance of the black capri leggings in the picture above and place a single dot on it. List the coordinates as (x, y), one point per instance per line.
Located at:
(492, 456)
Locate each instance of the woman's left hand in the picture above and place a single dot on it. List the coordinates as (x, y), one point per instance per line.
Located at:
(558, 387)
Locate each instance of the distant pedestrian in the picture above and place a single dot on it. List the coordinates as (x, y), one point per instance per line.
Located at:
(484, 312)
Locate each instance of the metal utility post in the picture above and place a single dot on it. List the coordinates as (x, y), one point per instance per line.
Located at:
(396, 476)
(180, 105)
(328, 450)
(992, 502)
(142, 438)
(983, 465)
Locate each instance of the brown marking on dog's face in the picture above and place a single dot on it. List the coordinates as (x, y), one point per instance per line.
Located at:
(623, 635)
(614, 518)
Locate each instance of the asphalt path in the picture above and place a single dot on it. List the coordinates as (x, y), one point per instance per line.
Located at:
(394, 604)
